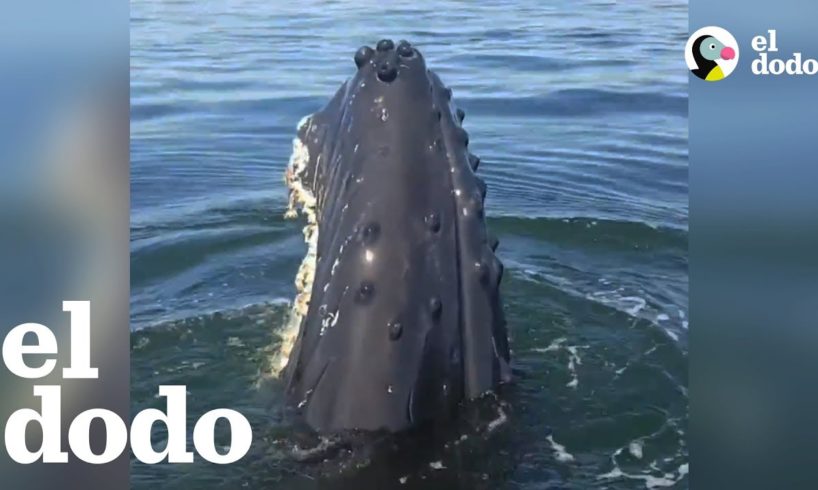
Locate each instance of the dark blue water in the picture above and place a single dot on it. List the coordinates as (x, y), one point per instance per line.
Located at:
(578, 110)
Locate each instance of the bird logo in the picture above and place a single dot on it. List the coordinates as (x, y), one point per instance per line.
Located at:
(712, 53)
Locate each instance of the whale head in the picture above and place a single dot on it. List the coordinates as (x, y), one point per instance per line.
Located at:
(399, 316)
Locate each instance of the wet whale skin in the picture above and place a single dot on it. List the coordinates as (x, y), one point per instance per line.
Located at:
(404, 317)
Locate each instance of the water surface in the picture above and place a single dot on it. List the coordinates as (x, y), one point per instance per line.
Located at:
(578, 110)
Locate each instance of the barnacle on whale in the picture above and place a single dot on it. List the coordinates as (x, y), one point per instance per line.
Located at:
(300, 198)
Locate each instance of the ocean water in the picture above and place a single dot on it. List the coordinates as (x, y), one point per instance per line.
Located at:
(578, 110)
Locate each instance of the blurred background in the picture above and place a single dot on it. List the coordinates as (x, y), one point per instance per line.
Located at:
(579, 113)
(754, 280)
(64, 207)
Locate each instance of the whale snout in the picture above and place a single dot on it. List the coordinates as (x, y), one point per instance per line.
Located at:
(399, 311)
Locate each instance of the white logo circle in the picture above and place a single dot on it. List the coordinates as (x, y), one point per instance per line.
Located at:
(712, 53)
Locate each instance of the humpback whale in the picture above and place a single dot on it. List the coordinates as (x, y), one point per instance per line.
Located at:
(398, 314)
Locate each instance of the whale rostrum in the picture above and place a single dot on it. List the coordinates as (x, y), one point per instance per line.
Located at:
(398, 313)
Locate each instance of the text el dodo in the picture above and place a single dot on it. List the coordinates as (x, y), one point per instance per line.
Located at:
(50, 451)
(766, 65)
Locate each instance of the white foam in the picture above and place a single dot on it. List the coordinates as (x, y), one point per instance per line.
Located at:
(639, 304)
(651, 481)
(560, 453)
(636, 449)
(555, 345)
(501, 419)
(574, 359)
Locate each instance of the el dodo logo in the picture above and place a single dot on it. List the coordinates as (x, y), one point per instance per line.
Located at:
(712, 53)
